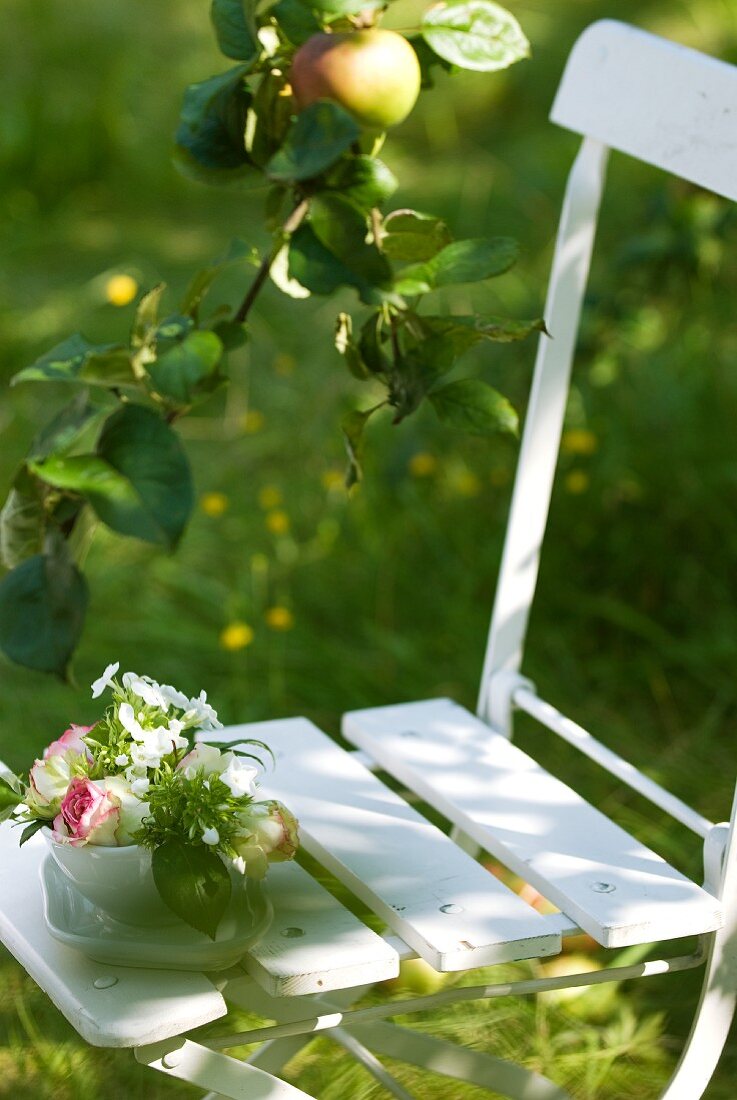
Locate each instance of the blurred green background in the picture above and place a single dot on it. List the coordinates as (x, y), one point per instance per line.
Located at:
(287, 596)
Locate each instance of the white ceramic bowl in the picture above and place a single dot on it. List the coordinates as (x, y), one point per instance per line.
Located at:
(118, 880)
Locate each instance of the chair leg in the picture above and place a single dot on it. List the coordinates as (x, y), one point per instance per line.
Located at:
(369, 1062)
(719, 992)
(439, 1056)
(712, 1022)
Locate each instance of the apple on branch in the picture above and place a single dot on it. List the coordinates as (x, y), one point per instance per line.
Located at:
(374, 74)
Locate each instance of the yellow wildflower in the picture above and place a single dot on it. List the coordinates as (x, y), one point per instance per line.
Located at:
(465, 483)
(579, 441)
(214, 504)
(120, 290)
(576, 482)
(235, 636)
(333, 479)
(277, 522)
(279, 618)
(253, 421)
(422, 464)
(269, 497)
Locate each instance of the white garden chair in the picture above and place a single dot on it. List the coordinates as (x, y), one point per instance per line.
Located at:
(677, 110)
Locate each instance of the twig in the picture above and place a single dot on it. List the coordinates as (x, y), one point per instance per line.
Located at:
(292, 223)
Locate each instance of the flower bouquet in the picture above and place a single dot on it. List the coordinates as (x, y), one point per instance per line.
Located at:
(149, 820)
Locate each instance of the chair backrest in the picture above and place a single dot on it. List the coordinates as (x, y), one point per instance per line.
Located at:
(670, 107)
(664, 104)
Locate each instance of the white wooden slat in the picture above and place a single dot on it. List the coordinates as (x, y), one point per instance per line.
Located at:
(128, 1006)
(435, 896)
(616, 889)
(314, 943)
(663, 103)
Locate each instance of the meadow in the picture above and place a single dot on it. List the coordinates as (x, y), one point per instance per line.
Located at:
(289, 595)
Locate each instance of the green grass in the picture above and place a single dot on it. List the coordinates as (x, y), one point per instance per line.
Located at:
(634, 630)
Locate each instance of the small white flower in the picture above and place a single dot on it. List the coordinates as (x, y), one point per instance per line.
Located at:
(149, 691)
(105, 680)
(128, 678)
(175, 727)
(135, 771)
(173, 697)
(140, 786)
(121, 760)
(129, 721)
(210, 836)
(239, 777)
(201, 714)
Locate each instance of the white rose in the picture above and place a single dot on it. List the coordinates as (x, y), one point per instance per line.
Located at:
(131, 808)
(206, 757)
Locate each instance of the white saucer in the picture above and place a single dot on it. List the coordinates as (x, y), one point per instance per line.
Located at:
(73, 920)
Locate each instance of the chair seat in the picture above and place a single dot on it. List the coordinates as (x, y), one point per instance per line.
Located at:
(435, 898)
(615, 888)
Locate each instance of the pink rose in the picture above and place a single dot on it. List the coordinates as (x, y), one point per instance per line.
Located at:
(70, 741)
(88, 815)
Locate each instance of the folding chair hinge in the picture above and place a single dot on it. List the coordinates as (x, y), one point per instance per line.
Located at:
(500, 699)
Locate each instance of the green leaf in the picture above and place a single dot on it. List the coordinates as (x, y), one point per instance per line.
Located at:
(281, 276)
(193, 882)
(474, 407)
(317, 269)
(235, 29)
(31, 830)
(269, 117)
(139, 483)
(210, 143)
(364, 180)
(331, 251)
(460, 262)
(371, 345)
(474, 34)
(317, 137)
(410, 235)
(467, 331)
(9, 797)
(147, 314)
(42, 607)
(66, 429)
(347, 348)
(342, 228)
(297, 20)
(77, 360)
(179, 372)
(22, 521)
(353, 425)
(231, 334)
(429, 61)
(108, 367)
